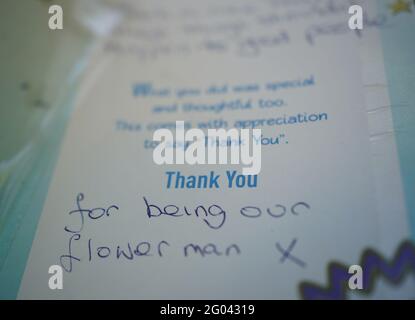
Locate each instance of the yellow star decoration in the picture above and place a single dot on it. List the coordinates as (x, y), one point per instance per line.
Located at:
(400, 6)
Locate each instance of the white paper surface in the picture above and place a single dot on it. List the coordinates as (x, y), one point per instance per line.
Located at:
(325, 164)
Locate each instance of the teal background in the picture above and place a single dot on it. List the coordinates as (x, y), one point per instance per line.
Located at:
(398, 43)
(39, 70)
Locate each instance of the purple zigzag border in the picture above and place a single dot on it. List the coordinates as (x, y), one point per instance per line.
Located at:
(373, 265)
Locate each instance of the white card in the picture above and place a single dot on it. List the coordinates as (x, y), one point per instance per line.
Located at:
(301, 75)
